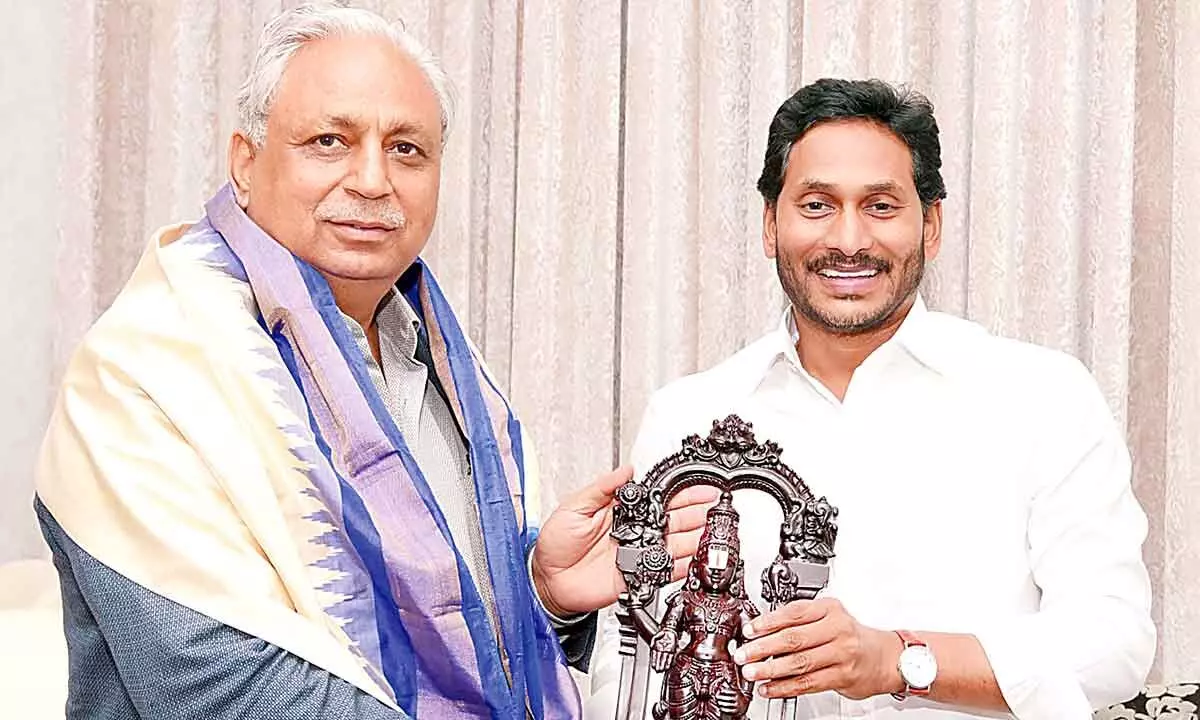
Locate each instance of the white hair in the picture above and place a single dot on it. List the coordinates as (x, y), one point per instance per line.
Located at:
(291, 30)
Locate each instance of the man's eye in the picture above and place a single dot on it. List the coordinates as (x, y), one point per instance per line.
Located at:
(406, 149)
(814, 206)
(882, 207)
(327, 141)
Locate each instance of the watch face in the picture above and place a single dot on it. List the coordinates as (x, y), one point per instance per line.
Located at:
(917, 667)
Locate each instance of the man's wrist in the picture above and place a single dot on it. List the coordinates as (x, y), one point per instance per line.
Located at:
(891, 681)
(559, 616)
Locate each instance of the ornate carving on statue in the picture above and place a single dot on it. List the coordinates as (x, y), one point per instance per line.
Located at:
(640, 521)
(691, 644)
(808, 533)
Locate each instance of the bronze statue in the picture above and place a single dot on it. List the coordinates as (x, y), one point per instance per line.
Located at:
(692, 643)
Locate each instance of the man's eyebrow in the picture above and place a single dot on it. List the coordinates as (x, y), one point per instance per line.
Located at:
(341, 122)
(888, 186)
(818, 185)
(348, 122)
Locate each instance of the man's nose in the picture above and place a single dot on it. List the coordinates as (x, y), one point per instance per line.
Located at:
(849, 234)
(369, 176)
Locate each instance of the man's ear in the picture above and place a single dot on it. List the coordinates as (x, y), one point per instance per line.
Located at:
(770, 232)
(241, 163)
(931, 231)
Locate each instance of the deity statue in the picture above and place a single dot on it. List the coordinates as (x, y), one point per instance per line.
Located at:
(692, 644)
(703, 622)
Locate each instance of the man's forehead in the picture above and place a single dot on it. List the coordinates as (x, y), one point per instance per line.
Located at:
(854, 155)
(356, 81)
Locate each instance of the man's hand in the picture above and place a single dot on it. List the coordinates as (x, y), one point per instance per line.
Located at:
(812, 646)
(574, 561)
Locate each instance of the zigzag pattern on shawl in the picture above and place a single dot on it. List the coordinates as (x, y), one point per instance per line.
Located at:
(339, 579)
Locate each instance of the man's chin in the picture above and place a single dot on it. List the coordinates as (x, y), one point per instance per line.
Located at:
(362, 272)
(847, 316)
(361, 264)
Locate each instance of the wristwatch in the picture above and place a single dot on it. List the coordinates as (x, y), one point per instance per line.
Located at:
(917, 666)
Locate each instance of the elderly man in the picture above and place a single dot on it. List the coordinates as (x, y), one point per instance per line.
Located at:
(279, 482)
(989, 548)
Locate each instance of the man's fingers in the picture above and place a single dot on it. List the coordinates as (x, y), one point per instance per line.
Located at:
(680, 568)
(688, 511)
(683, 544)
(799, 662)
(687, 518)
(600, 493)
(799, 612)
(705, 495)
(828, 678)
(787, 641)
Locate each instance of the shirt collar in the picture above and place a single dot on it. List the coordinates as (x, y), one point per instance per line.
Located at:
(395, 302)
(917, 335)
(395, 317)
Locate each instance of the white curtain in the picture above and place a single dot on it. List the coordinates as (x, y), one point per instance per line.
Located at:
(599, 228)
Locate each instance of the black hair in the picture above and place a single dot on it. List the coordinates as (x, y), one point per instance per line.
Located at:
(906, 113)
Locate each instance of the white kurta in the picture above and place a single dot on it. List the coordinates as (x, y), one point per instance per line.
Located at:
(983, 488)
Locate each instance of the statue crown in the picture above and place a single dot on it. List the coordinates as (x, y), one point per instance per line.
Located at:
(721, 526)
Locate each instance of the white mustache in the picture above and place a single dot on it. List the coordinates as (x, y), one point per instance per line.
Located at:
(353, 214)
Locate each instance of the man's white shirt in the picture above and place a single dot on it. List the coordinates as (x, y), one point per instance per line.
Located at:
(983, 487)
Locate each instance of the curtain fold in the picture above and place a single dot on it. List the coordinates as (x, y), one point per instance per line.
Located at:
(599, 228)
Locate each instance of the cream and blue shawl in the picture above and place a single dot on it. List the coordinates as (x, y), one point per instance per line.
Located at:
(218, 446)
